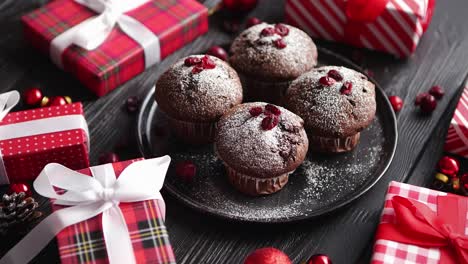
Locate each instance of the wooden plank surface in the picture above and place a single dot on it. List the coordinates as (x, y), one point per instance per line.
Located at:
(441, 58)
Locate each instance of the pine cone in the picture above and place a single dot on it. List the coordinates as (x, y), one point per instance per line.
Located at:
(16, 209)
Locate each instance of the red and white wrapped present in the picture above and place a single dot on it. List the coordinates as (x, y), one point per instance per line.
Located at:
(457, 136)
(422, 226)
(31, 139)
(392, 26)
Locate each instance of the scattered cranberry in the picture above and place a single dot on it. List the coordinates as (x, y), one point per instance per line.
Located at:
(319, 259)
(45, 101)
(57, 101)
(335, 75)
(239, 5)
(419, 97)
(437, 91)
(109, 157)
(281, 29)
(197, 69)
(219, 52)
(190, 61)
(272, 109)
(208, 63)
(132, 104)
(280, 44)
(256, 111)
(68, 99)
(428, 104)
(397, 103)
(19, 187)
(269, 122)
(253, 21)
(346, 88)
(32, 96)
(186, 170)
(231, 26)
(268, 31)
(449, 166)
(327, 81)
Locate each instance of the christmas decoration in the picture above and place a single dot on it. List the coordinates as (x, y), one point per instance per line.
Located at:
(219, 52)
(242, 6)
(109, 157)
(103, 58)
(186, 170)
(449, 166)
(17, 209)
(455, 143)
(45, 101)
(19, 187)
(252, 21)
(32, 96)
(423, 225)
(267, 255)
(396, 102)
(319, 259)
(68, 99)
(132, 104)
(120, 206)
(437, 91)
(364, 23)
(57, 101)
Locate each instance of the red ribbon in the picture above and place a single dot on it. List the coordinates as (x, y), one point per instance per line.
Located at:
(417, 224)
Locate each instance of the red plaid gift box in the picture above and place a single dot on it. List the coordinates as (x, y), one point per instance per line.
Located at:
(457, 137)
(31, 139)
(163, 27)
(427, 208)
(392, 26)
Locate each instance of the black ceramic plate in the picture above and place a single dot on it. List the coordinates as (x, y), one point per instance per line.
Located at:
(321, 184)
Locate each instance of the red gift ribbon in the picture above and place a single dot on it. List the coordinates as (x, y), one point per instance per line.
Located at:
(417, 224)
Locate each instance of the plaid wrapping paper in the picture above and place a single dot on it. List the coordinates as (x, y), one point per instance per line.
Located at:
(397, 30)
(457, 136)
(84, 243)
(389, 252)
(119, 58)
(25, 157)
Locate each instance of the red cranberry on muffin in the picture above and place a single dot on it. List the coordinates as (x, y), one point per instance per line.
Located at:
(336, 104)
(268, 57)
(194, 93)
(260, 144)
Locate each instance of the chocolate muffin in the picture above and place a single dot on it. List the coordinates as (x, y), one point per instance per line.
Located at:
(260, 145)
(336, 103)
(268, 57)
(194, 93)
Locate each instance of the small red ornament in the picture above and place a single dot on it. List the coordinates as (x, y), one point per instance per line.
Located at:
(109, 157)
(239, 5)
(32, 96)
(218, 51)
(397, 103)
(437, 91)
(19, 187)
(428, 104)
(449, 166)
(253, 21)
(186, 170)
(267, 256)
(319, 259)
(419, 98)
(57, 101)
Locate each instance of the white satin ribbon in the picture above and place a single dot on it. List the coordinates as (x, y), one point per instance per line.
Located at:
(89, 197)
(92, 32)
(33, 127)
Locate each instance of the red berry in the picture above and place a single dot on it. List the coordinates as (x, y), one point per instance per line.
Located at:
(219, 52)
(449, 166)
(109, 157)
(197, 69)
(428, 104)
(32, 96)
(269, 108)
(281, 29)
(253, 21)
(397, 103)
(319, 259)
(239, 5)
(269, 122)
(20, 187)
(437, 91)
(190, 61)
(186, 170)
(57, 101)
(346, 88)
(256, 111)
(208, 63)
(132, 104)
(419, 98)
(267, 256)
(335, 75)
(268, 31)
(280, 44)
(327, 81)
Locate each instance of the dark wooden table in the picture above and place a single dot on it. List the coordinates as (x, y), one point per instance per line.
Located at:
(346, 235)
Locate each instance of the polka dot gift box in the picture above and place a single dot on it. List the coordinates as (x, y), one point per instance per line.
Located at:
(31, 139)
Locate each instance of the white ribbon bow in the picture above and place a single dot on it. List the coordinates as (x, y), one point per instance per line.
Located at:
(92, 32)
(89, 197)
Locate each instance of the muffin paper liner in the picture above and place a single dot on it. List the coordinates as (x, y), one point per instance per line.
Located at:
(333, 145)
(192, 132)
(270, 92)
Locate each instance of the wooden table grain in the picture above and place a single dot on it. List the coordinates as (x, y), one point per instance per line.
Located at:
(346, 235)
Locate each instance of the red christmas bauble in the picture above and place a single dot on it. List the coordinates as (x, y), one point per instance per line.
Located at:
(267, 256)
(109, 157)
(449, 166)
(57, 101)
(32, 96)
(239, 5)
(19, 187)
(319, 259)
